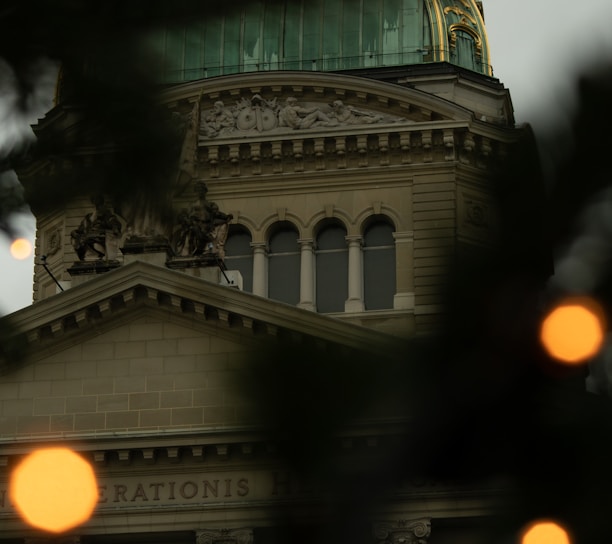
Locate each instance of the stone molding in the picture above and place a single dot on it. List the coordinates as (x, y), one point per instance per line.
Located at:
(364, 147)
(142, 284)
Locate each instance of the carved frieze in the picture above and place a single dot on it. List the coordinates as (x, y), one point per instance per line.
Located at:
(256, 115)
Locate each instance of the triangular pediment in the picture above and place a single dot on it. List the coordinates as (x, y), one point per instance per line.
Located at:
(140, 289)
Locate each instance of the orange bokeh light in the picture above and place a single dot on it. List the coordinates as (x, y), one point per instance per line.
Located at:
(573, 331)
(54, 489)
(545, 532)
(21, 249)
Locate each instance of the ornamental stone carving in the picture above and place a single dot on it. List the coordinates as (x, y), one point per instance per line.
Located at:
(257, 114)
(98, 234)
(224, 536)
(202, 230)
(403, 532)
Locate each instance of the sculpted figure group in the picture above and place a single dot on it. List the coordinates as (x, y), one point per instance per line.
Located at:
(203, 229)
(97, 235)
(260, 114)
(199, 231)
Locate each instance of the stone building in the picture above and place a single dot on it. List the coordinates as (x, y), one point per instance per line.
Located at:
(334, 158)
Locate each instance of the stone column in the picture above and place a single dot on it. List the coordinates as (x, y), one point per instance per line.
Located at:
(404, 271)
(307, 272)
(260, 268)
(354, 303)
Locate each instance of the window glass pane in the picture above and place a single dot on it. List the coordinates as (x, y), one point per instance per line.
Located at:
(332, 238)
(271, 39)
(371, 27)
(391, 26)
(284, 241)
(193, 52)
(173, 62)
(251, 46)
(291, 36)
(379, 234)
(284, 266)
(379, 278)
(231, 44)
(212, 47)
(238, 256)
(465, 51)
(379, 267)
(331, 33)
(312, 32)
(350, 35)
(331, 269)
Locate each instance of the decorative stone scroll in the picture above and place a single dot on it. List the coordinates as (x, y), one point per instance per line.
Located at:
(403, 532)
(224, 536)
(256, 115)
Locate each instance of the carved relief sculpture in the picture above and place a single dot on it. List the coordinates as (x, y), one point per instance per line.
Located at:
(257, 114)
(219, 120)
(98, 234)
(347, 115)
(201, 230)
(297, 117)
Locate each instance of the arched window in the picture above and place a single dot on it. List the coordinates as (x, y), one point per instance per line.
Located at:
(284, 264)
(465, 51)
(239, 256)
(331, 268)
(378, 265)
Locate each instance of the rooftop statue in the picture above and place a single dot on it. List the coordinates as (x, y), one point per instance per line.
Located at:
(202, 230)
(97, 235)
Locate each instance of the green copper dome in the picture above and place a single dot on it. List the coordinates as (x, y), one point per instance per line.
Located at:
(325, 35)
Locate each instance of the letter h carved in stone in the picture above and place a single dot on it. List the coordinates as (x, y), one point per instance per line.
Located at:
(414, 531)
(224, 536)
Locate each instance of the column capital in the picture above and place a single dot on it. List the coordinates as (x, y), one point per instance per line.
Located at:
(224, 536)
(354, 239)
(259, 246)
(305, 242)
(414, 531)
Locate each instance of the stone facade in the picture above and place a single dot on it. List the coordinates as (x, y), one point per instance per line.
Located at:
(403, 155)
(144, 374)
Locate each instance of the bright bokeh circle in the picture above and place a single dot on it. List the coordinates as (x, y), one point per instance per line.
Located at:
(573, 332)
(545, 532)
(21, 249)
(54, 489)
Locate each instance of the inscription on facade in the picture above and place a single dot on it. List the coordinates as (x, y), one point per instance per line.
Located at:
(204, 488)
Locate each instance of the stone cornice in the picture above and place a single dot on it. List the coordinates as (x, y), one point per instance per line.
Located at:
(130, 287)
(325, 85)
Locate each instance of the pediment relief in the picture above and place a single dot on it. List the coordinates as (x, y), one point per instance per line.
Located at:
(255, 115)
(287, 103)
